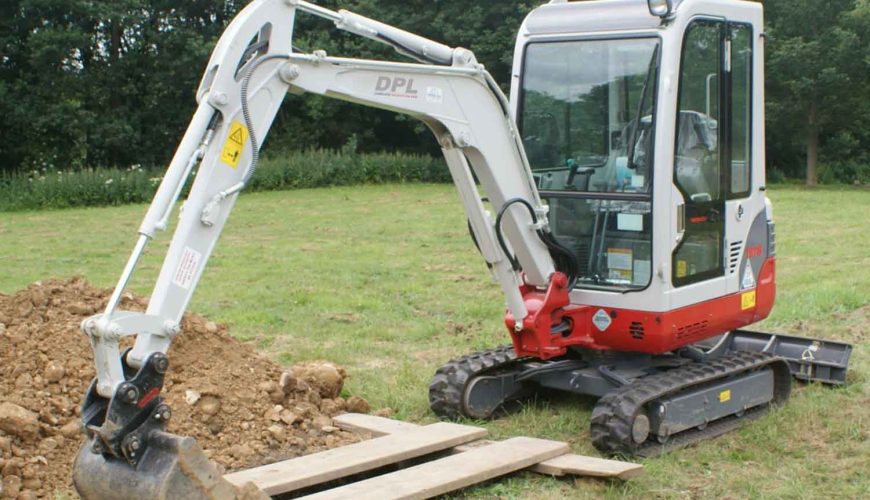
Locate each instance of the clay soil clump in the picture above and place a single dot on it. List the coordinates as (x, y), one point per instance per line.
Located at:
(243, 409)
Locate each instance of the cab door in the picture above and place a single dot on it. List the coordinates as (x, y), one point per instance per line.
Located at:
(701, 156)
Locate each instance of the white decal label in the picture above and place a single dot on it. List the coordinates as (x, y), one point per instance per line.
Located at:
(748, 277)
(629, 222)
(601, 320)
(187, 268)
(434, 95)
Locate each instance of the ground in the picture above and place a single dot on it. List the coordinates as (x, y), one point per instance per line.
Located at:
(385, 281)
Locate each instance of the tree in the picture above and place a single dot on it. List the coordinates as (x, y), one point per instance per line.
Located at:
(101, 82)
(817, 74)
(90, 83)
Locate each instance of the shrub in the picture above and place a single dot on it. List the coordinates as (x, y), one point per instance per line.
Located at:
(40, 189)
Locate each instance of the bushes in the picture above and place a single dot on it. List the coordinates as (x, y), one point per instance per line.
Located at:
(90, 187)
(40, 189)
(326, 168)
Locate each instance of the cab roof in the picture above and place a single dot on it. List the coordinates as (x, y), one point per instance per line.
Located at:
(562, 16)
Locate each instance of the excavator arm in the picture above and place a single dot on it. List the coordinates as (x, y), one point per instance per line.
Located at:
(251, 70)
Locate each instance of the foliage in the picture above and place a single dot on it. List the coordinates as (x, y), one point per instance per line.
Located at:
(110, 83)
(818, 92)
(40, 189)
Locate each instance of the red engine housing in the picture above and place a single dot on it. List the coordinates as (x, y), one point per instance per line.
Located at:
(630, 330)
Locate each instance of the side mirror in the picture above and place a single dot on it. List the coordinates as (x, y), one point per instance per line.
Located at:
(661, 8)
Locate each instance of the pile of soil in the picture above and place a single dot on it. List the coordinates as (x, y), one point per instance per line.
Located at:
(243, 409)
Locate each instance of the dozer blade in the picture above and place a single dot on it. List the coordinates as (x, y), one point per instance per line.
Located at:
(172, 467)
(810, 360)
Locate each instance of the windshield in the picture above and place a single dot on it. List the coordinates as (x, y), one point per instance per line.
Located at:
(587, 111)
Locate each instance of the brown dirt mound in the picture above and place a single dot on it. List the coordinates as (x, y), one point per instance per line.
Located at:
(241, 407)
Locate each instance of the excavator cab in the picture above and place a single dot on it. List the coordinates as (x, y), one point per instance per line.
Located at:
(652, 161)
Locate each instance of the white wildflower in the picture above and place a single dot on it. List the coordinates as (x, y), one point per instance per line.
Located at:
(110, 181)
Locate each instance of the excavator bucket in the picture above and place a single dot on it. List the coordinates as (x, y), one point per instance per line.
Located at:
(172, 467)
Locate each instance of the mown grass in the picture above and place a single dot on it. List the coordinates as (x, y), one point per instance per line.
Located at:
(384, 280)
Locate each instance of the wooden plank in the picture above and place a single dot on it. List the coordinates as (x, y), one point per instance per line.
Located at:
(572, 465)
(448, 474)
(565, 465)
(580, 465)
(376, 426)
(318, 468)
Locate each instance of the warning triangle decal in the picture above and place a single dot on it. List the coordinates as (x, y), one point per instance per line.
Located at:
(748, 277)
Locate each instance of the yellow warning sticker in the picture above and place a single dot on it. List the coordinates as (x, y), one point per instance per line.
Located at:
(725, 396)
(235, 145)
(747, 300)
(682, 270)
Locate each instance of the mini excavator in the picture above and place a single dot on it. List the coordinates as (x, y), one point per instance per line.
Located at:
(618, 199)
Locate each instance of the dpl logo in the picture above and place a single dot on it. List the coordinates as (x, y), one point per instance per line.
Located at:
(396, 87)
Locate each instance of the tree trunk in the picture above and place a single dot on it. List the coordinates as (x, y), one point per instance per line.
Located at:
(812, 145)
(117, 31)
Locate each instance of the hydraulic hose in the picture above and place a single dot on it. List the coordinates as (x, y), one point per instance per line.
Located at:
(563, 258)
(246, 114)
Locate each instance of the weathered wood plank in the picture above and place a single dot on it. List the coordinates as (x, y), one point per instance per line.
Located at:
(318, 468)
(580, 465)
(451, 473)
(565, 465)
(376, 426)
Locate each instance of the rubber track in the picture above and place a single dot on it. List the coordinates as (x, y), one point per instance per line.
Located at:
(614, 413)
(447, 388)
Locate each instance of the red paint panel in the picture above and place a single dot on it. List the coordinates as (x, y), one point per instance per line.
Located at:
(635, 331)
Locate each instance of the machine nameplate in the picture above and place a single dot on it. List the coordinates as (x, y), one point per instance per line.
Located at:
(235, 145)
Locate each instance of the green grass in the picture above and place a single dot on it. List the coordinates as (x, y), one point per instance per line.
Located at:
(384, 280)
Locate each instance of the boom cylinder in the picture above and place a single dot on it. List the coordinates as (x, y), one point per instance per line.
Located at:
(168, 191)
(406, 43)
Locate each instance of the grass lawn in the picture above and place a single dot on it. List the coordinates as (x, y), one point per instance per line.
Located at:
(385, 280)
